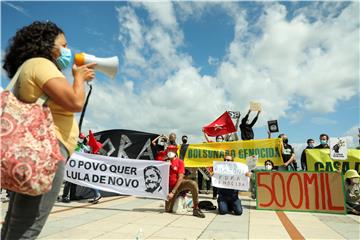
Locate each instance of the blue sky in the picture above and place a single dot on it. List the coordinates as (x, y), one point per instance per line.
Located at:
(182, 64)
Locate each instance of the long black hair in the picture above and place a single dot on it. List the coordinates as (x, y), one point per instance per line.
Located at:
(34, 40)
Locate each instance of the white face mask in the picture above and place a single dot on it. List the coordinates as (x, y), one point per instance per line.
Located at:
(355, 180)
(171, 154)
(268, 167)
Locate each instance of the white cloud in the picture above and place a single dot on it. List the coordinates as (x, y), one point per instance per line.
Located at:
(291, 59)
(352, 136)
(18, 8)
(213, 61)
(322, 121)
(163, 13)
(296, 63)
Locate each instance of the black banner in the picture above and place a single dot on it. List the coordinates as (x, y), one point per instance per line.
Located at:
(120, 143)
(127, 143)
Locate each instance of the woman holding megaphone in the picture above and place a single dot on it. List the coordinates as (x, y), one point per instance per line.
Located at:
(40, 52)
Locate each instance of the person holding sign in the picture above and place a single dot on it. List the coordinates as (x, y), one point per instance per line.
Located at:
(269, 166)
(352, 191)
(310, 145)
(288, 155)
(228, 199)
(178, 184)
(247, 132)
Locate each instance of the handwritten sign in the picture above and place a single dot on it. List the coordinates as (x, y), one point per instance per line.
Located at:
(230, 175)
(300, 191)
(255, 106)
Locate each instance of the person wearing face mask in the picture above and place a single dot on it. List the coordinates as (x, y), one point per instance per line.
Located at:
(183, 146)
(42, 52)
(352, 191)
(218, 138)
(324, 138)
(269, 166)
(247, 132)
(310, 145)
(159, 144)
(172, 139)
(177, 183)
(228, 199)
(288, 155)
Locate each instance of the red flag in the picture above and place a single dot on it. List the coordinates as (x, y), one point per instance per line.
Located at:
(222, 125)
(95, 145)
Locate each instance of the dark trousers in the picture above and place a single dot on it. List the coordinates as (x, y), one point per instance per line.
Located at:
(228, 205)
(69, 188)
(200, 181)
(214, 192)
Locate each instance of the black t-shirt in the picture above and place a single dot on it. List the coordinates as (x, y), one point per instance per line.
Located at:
(159, 148)
(183, 149)
(287, 152)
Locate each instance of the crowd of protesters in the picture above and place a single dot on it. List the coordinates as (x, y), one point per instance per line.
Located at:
(41, 49)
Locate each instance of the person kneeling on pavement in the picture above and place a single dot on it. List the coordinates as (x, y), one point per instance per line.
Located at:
(178, 184)
(352, 191)
(228, 199)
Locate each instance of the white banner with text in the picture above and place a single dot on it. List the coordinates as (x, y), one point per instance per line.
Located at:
(143, 178)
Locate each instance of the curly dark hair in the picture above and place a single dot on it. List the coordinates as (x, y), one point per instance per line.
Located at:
(34, 40)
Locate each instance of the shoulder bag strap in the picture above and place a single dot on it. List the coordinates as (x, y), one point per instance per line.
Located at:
(41, 100)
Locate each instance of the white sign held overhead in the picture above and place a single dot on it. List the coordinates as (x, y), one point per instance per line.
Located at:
(338, 148)
(255, 106)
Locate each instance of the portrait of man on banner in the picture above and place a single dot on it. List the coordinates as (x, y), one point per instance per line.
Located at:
(152, 177)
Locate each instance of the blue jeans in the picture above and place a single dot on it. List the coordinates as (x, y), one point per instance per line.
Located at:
(26, 215)
(229, 205)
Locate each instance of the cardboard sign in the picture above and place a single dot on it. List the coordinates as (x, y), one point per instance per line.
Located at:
(255, 106)
(230, 175)
(251, 161)
(338, 148)
(300, 191)
(273, 126)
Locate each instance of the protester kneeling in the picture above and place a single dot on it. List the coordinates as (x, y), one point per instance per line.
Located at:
(228, 199)
(177, 183)
(352, 191)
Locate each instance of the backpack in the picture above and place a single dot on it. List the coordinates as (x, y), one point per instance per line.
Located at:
(207, 205)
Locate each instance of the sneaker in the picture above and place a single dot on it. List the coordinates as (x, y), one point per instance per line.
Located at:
(95, 200)
(65, 199)
(198, 213)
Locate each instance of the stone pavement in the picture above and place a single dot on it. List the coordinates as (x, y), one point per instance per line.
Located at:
(127, 217)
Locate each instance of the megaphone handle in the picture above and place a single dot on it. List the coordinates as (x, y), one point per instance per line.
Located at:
(85, 105)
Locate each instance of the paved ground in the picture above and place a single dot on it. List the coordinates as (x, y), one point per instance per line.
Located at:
(138, 218)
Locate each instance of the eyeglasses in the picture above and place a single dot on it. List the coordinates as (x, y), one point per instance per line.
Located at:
(227, 159)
